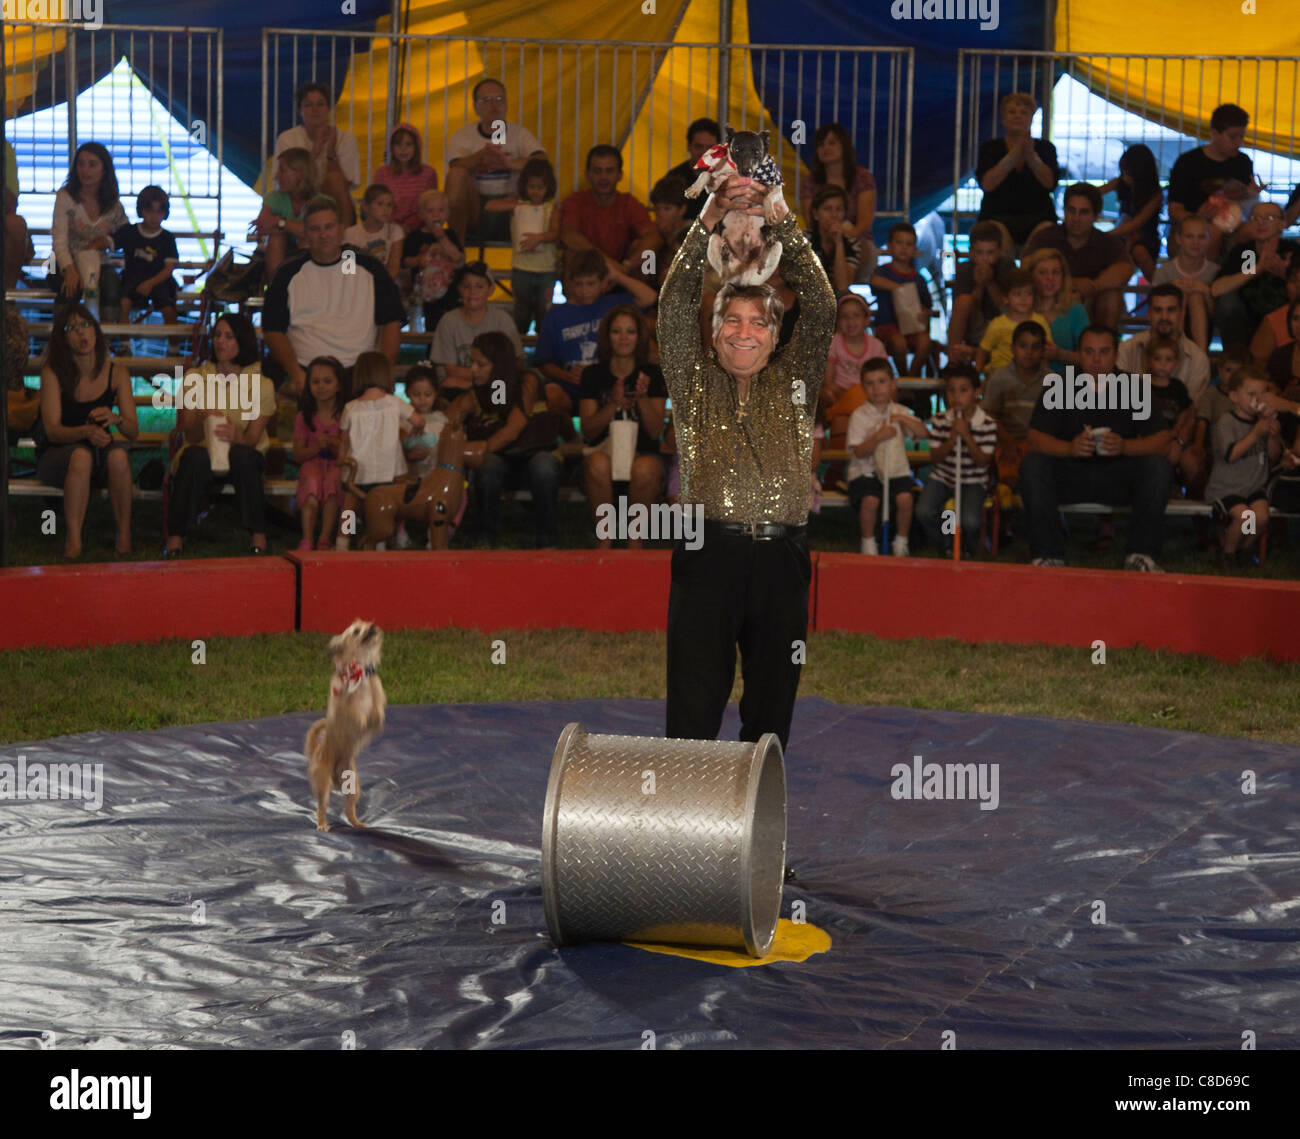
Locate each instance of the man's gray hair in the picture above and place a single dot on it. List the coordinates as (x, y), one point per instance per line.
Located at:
(765, 295)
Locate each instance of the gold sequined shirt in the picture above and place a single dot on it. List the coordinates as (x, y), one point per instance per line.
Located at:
(750, 462)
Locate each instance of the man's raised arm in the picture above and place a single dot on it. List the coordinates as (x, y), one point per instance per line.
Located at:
(803, 274)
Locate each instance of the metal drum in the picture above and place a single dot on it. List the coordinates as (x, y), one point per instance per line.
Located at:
(680, 841)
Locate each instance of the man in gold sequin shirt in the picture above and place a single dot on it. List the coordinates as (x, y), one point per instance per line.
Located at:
(743, 413)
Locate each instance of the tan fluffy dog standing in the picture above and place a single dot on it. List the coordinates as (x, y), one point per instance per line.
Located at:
(354, 717)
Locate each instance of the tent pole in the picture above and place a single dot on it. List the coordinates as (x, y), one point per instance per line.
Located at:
(4, 359)
(394, 55)
(724, 62)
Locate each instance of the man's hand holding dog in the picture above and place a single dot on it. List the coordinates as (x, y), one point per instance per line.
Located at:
(736, 193)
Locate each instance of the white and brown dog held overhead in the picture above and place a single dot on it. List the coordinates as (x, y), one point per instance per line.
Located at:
(355, 715)
(741, 248)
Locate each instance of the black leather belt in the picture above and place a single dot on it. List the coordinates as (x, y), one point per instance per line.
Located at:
(757, 531)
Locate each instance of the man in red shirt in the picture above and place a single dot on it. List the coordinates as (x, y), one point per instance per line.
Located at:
(602, 217)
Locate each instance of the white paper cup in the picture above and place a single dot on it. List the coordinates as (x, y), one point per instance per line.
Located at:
(1098, 434)
(218, 449)
(622, 434)
(88, 262)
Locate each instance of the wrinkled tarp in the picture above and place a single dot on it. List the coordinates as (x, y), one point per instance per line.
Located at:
(943, 916)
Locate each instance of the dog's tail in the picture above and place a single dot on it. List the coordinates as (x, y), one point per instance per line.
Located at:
(348, 473)
(314, 734)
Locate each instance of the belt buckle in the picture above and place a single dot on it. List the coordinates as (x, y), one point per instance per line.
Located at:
(755, 535)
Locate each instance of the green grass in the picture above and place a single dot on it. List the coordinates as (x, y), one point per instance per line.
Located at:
(132, 687)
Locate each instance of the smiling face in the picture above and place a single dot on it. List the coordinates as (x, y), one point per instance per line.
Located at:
(324, 236)
(1267, 218)
(1020, 301)
(852, 320)
(490, 103)
(1048, 278)
(1016, 117)
(535, 190)
(474, 292)
(745, 341)
(623, 336)
(324, 385)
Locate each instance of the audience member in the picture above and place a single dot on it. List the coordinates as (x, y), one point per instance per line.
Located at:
(1247, 442)
(1054, 298)
(841, 392)
(80, 387)
(334, 152)
(1103, 454)
(422, 450)
(433, 253)
(236, 360)
(485, 159)
(1018, 173)
(87, 213)
(23, 404)
(603, 218)
(1197, 174)
(1193, 273)
(979, 291)
(1175, 412)
(406, 175)
(567, 339)
(1011, 395)
(1098, 262)
(835, 163)
(497, 408)
(835, 249)
(1138, 189)
(314, 308)
(18, 243)
(903, 302)
(701, 137)
(150, 258)
(995, 349)
(1252, 277)
(534, 231)
(1165, 316)
(316, 442)
(1214, 400)
(879, 464)
(370, 429)
(668, 201)
(281, 221)
(460, 327)
(1284, 361)
(966, 421)
(1273, 330)
(376, 233)
(622, 385)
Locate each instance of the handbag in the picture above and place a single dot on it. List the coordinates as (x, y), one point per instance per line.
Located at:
(233, 282)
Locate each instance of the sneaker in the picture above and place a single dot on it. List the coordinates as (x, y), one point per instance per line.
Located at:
(1048, 562)
(1247, 558)
(869, 546)
(1143, 562)
(402, 540)
(898, 547)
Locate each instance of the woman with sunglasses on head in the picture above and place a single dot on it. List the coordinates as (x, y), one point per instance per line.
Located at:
(80, 388)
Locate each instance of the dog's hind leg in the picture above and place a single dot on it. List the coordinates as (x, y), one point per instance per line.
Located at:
(320, 783)
(350, 797)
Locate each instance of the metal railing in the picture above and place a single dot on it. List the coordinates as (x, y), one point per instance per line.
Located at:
(51, 66)
(573, 94)
(1163, 101)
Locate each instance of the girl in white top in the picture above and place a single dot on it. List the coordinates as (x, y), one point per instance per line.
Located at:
(370, 430)
(376, 233)
(87, 215)
(338, 161)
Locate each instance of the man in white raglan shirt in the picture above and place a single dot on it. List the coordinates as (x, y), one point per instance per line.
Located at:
(480, 169)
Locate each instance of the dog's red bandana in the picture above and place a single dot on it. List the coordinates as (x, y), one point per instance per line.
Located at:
(714, 156)
(349, 676)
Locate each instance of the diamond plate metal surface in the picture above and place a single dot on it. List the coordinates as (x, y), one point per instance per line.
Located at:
(654, 840)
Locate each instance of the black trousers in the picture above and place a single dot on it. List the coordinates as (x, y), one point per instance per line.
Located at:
(194, 477)
(736, 591)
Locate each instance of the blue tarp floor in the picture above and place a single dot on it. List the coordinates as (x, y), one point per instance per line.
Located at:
(943, 917)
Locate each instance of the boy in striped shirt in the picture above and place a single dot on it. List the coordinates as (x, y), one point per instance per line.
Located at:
(965, 420)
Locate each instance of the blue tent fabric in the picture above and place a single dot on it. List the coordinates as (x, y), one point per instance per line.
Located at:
(1020, 26)
(942, 916)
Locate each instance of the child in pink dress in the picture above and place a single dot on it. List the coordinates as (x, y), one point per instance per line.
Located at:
(316, 450)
